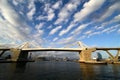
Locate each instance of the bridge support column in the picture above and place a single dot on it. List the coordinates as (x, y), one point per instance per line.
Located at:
(85, 55)
(15, 54)
(18, 55)
(23, 56)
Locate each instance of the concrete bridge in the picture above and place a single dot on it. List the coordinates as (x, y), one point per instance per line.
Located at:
(21, 53)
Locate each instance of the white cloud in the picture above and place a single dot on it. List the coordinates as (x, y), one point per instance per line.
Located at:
(64, 31)
(56, 38)
(80, 28)
(48, 13)
(105, 30)
(57, 5)
(116, 18)
(119, 31)
(32, 10)
(39, 26)
(49, 17)
(66, 11)
(99, 27)
(16, 2)
(103, 25)
(39, 31)
(88, 8)
(110, 11)
(49, 27)
(12, 27)
(110, 29)
(41, 17)
(66, 40)
(10, 34)
(53, 31)
(94, 33)
(72, 25)
(88, 32)
(6, 11)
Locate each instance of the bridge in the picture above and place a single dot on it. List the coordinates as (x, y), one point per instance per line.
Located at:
(21, 53)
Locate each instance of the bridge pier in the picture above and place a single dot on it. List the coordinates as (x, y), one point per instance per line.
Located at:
(15, 54)
(85, 55)
(23, 56)
(18, 55)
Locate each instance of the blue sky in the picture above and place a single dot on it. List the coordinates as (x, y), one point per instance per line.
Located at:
(57, 23)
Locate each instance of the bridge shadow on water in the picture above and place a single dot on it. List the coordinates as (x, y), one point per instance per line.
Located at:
(52, 70)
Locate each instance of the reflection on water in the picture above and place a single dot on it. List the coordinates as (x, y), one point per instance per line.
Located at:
(58, 71)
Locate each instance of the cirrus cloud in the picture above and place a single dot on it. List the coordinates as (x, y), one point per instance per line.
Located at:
(88, 8)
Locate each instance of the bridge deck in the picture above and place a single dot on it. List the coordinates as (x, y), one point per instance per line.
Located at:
(53, 49)
(4, 48)
(59, 49)
(107, 48)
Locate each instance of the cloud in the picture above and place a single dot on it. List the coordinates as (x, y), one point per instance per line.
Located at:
(80, 28)
(104, 30)
(66, 11)
(61, 42)
(49, 27)
(41, 17)
(110, 11)
(88, 8)
(105, 23)
(64, 31)
(116, 18)
(65, 41)
(50, 14)
(37, 35)
(13, 28)
(56, 38)
(16, 2)
(9, 33)
(119, 31)
(47, 13)
(39, 26)
(72, 25)
(110, 29)
(6, 11)
(57, 5)
(53, 31)
(36, 38)
(32, 10)
(88, 32)
(99, 27)
(93, 33)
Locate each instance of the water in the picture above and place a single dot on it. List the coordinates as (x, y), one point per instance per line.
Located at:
(47, 70)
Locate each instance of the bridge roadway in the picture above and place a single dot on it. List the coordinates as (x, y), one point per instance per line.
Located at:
(65, 49)
(53, 49)
(5, 48)
(60, 49)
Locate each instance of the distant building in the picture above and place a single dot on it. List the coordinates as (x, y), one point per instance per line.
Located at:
(99, 56)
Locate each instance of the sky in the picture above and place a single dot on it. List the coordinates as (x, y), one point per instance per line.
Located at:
(57, 23)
